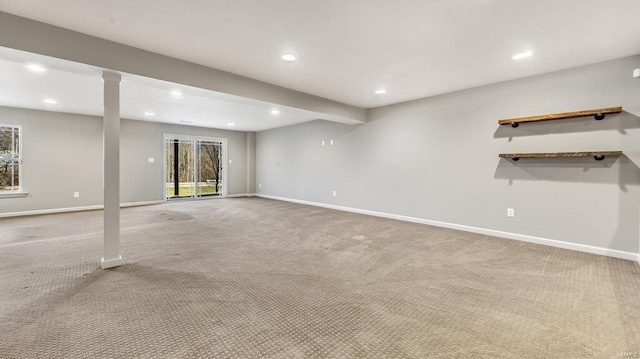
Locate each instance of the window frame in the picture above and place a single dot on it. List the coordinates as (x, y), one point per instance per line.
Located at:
(225, 163)
(20, 191)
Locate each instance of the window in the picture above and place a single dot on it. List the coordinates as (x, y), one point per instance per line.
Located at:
(194, 166)
(10, 159)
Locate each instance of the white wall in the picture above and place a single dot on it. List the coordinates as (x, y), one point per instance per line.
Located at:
(436, 159)
(62, 154)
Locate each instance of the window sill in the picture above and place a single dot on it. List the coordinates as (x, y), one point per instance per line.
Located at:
(13, 194)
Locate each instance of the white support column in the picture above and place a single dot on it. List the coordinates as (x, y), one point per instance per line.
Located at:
(250, 187)
(111, 156)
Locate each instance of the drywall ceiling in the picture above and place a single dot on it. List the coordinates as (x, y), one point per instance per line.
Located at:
(346, 50)
(77, 88)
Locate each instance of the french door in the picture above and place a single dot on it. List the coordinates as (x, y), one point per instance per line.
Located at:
(194, 167)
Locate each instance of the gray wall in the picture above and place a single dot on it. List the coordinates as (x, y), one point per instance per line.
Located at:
(62, 154)
(143, 181)
(436, 159)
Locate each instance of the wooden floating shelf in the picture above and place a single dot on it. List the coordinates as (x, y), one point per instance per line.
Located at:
(598, 114)
(598, 155)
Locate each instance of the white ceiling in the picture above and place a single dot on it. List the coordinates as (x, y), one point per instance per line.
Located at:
(78, 89)
(348, 49)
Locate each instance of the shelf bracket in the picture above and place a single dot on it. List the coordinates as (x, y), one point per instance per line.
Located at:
(516, 158)
(599, 116)
(598, 157)
(514, 124)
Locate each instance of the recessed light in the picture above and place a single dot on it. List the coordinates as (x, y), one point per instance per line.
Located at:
(275, 112)
(230, 124)
(176, 93)
(288, 57)
(522, 55)
(380, 92)
(35, 68)
(149, 114)
(50, 101)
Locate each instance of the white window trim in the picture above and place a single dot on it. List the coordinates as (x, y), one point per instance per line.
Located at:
(19, 193)
(13, 194)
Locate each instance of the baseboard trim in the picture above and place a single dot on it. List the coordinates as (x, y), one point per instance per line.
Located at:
(489, 232)
(74, 209)
(638, 259)
(139, 204)
(238, 195)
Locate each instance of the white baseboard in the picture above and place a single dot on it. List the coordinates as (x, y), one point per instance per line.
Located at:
(74, 209)
(238, 195)
(204, 198)
(490, 232)
(138, 204)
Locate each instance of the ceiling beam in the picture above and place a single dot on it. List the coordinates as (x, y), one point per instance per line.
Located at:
(32, 36)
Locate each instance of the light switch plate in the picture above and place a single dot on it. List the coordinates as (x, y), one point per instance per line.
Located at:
(511, 213)
(636, 73)
(152, 160)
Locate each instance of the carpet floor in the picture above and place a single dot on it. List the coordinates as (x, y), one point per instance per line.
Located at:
(251, 277)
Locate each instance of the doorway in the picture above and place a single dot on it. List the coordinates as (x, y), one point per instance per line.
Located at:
(194, 167)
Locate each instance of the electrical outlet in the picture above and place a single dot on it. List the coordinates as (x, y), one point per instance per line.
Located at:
(323, 142)
(331, 143)
(636, 73)
(230, 161)
(511, 213)
(334, 193)
(260, 185)
(152, 160)
(76, 194)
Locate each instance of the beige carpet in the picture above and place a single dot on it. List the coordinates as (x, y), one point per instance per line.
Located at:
(249, 277)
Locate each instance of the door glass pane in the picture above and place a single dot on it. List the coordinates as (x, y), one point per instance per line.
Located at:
(180, 168)
(168, 147)
(209, 168)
